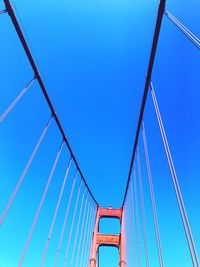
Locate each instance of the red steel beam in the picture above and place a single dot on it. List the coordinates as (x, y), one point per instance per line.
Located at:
(109, 213)
(108, 240)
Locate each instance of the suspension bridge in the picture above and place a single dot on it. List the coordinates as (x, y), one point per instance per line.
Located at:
(79, 236)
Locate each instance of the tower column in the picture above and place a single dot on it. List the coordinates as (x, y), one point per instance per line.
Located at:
(108, 240)
(93, 254)
(122, 244)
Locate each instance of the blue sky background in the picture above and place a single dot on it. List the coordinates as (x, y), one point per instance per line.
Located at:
(93, 57)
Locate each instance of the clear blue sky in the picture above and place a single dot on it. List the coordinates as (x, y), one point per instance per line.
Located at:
(93, 57)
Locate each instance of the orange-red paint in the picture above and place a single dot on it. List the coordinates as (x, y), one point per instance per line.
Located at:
(108, 240)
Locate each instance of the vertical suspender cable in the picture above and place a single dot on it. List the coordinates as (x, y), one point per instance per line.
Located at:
(85, 235)
(137, 218)
(65, 220)
(91, 227)
(24, 172)
(183, 29)
(90, 234)
(16, 100)
(130, 246)
(77, 229)
(3, 11)
(22, 39)
(186, 224)
(72, 225)
(86, 238)
(153, 202)
(143, 210)
(55, 214)
(40, 206)
(81, 235)
(126, 229)
(132, 223)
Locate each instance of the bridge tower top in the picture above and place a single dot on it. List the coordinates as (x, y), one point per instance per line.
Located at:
(108, 239)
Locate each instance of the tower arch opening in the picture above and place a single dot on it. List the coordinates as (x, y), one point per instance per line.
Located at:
(107, 253)
(109, 226)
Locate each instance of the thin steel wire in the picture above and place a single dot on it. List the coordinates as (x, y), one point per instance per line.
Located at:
(153, 202)
(130, 226)
(29, 55)
(130, 246)
(40, 206)
(194, 39)
(65, 220)
(181, 205)
(87, 251)
(87, 238)
(85, 235)
(55, 214)
(130, 249)
(3, 11)
(81, 231)
(77, 230)
(16, 189)
(91, 227)
(133, 224)
(143, 210)
(137, 218)
(16, 100)
(126, 228)
(72, 225)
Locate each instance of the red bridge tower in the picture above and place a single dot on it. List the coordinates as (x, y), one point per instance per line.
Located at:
(108, 240)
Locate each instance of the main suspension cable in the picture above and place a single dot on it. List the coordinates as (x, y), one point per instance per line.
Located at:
(37, 75)
(146, 88)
